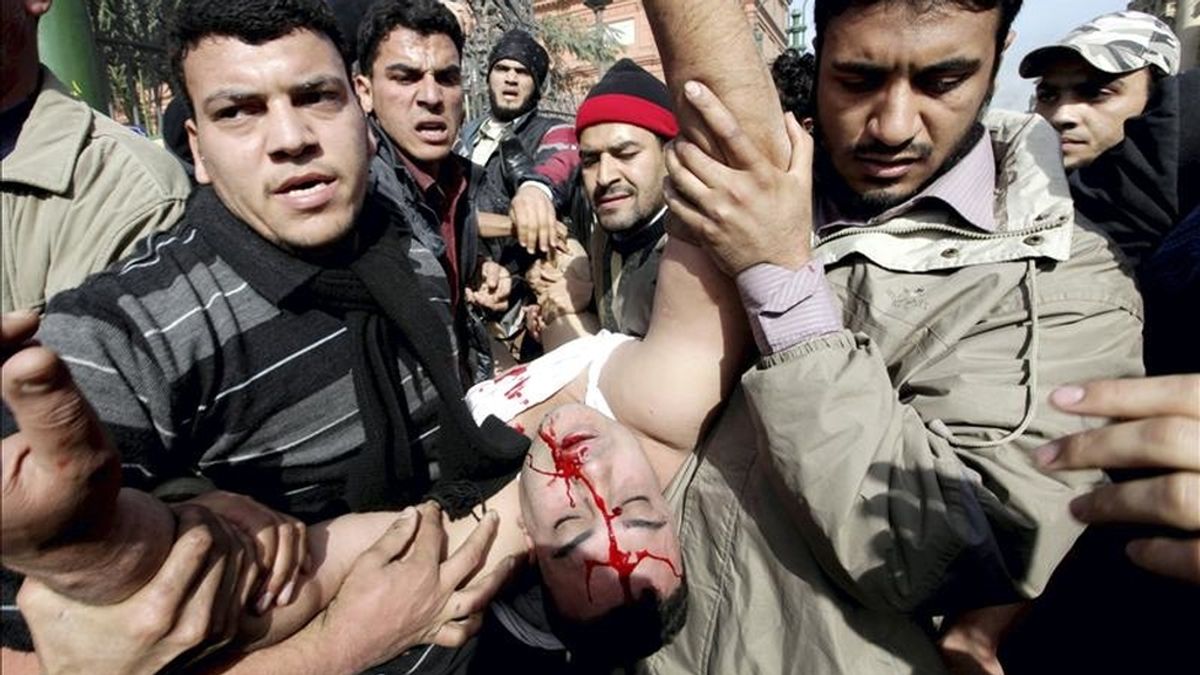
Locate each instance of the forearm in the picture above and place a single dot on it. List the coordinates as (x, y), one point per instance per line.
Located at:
(311, 651)
(13, 662)
(710, 41)
(556, 161)
(111, 559)
(494, 225)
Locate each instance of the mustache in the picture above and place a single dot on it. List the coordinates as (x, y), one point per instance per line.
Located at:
(612, 191)
(911, 150)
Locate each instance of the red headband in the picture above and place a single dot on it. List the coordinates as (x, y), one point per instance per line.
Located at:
(626, 109)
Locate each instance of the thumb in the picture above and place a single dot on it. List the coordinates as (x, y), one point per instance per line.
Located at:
(56, 420)
(801, 156)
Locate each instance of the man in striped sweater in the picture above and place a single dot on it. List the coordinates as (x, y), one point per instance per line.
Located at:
(290, 339)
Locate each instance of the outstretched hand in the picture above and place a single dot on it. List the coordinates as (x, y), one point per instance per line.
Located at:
(64, 518)
(1159, 428)
(744, 210)
(401, 592)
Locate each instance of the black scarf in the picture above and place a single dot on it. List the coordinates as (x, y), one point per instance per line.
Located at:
(388, 318)
(644, 237)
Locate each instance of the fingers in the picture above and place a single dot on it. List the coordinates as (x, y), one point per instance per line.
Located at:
(686, 182)
(55, 418)
(800, 160)
(491, 275)
(182, 569)
(1132, 398)
(398, 538)
(683, 211)
(240, 579)
(1172, 500)
(739, 151)
(476, 596)
(456, 633)
(284, 566)
(545, 234)
(469, 557)
(525, 221)
(562, 238)
(1171, 442)
(1178, 558)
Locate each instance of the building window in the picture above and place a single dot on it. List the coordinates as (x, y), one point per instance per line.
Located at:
(623, 32)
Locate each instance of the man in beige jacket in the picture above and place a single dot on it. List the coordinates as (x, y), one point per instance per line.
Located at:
(77, 191)
(876, 469)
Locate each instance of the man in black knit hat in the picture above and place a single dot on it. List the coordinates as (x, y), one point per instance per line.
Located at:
(524, 160)
(623, 127)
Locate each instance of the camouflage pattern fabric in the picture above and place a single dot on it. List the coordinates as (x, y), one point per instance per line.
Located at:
(1120, 42)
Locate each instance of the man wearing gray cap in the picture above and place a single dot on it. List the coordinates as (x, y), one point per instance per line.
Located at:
(1098, 76)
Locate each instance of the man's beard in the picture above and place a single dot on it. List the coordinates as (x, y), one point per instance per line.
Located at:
(508, 115)
(831, 185)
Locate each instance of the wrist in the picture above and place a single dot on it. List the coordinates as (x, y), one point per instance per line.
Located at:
(115, 559)
(345, 659)
(789, 258)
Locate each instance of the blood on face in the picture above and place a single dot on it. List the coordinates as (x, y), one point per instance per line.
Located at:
(569, 459)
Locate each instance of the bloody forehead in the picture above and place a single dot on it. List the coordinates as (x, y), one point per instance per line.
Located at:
(569, 467)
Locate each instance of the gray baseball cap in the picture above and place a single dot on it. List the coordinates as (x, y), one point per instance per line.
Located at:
(1117, 43)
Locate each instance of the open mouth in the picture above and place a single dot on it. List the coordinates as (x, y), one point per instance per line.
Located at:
(434, 131)
(307, 191)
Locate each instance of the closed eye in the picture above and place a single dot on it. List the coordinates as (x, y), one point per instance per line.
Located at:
(564, 520)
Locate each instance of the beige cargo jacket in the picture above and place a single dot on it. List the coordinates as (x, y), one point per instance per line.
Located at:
(76, 193)
(860, 483)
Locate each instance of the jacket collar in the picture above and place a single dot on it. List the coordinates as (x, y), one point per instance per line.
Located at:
(643, 236)
(967, 189)
(392, 180)
(271, 271)
(51, 140)
(1032, 205)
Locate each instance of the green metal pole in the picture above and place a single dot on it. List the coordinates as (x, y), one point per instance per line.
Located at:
(67, 47)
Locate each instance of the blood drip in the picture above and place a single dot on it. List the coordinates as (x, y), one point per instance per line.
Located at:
(511, 372)
(568, 467)
(517, 390)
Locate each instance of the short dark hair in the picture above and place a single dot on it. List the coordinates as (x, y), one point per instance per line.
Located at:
(622, 635)
(826, 10)
(254, 22)
(424, 17)
(794, 74)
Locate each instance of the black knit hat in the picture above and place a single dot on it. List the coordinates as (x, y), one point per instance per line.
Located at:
(520, 46)
(628, 93)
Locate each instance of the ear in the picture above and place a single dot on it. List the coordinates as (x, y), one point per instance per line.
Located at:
(197, 155)
(531, 553)
(1012, 37)
(362, 86)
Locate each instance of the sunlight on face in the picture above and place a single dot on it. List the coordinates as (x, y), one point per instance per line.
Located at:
(1089, 107)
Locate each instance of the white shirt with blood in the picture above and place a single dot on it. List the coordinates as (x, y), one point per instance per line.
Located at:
(525, 386)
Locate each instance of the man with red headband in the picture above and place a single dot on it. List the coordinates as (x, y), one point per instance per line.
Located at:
(623, 127)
